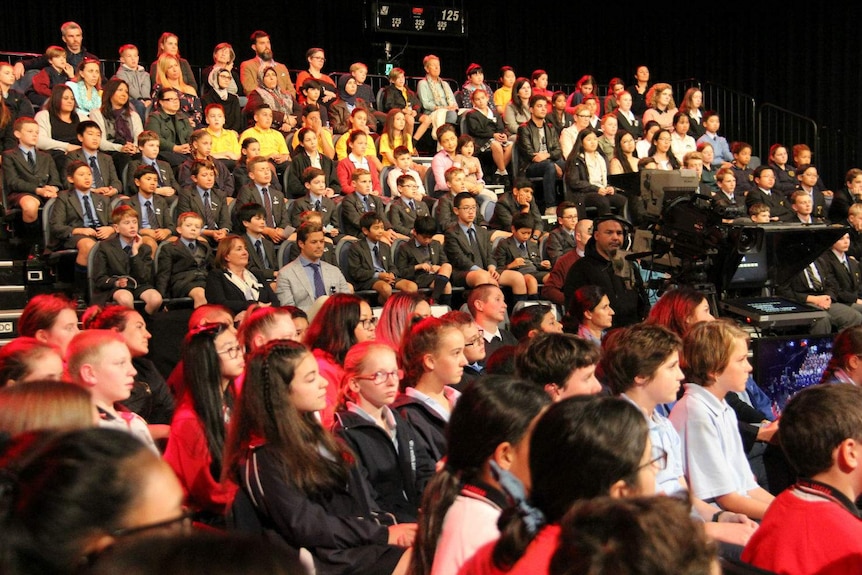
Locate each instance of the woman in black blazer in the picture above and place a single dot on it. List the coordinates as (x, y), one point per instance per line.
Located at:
(230, 283)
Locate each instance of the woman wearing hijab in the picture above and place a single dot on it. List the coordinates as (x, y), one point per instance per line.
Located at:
(269, 92)
(340, 110)
(219, 81)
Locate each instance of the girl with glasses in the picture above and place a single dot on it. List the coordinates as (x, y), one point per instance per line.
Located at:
(386, 446)
(341, 322)
(302, 482)
(212, 359)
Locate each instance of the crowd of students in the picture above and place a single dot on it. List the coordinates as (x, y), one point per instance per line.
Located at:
(496, 439)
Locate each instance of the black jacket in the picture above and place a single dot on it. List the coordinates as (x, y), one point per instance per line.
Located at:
(397, 478)
(627, 295)
(430, 427)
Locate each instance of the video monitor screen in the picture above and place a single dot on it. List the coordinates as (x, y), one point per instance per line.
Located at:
(784, 365)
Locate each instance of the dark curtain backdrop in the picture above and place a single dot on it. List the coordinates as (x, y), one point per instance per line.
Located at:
(807, 61)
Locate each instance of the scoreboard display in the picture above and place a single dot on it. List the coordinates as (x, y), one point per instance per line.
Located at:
(412, 19)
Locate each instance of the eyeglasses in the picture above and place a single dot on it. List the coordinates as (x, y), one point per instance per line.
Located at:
(368, 323)
(658, 459)
(321, 58)
(480, 338)
(585, 116)
(380, 377)
(467, 208)
(183, 522)
(174, 99)
(232, 352)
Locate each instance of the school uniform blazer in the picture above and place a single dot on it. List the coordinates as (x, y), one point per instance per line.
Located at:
(256, 265)
(360, 266)
(68, 214)
(352, 209)
(106, 167)
(160, 206)
(298, 164)
(483, 128)
(111, 261)
(179, 271)
(635, 128)
(220, 290)
(189, 200)
(223, 178)
(249, 194)
(402, 217)
(797, 288)
(293, 286)
(166, 178)
(507, 250)
(458, 250)
(775, 200)
(408, 255)
(505, 210)
(299, 205)
(19, 177)
(558, 243)
(844, 283)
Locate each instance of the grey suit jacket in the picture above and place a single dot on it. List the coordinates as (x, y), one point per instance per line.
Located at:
(294, 288)
(106, 167)
(68, 214)
(249, 194)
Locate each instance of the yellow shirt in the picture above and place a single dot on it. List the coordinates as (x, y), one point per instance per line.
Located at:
(341, 147)
(386, 147)
(228, 141)
(502, 96)
(326, 135)
(271, 141)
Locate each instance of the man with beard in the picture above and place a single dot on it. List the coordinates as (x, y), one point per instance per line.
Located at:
(263, 57)
(604, 265)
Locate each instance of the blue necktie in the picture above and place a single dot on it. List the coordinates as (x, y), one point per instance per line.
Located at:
(319, 288)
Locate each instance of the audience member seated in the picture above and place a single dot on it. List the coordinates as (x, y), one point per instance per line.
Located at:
(660, 105)
(87, 86)
(518, 201)
(517, 109)
(520, 252)
(225, 141)
(398, 96)
(808, 179)
(250, 221)
(312, 119)
(850, 194)
(602, 257)
(156, 223)
(183, 265)
(317, 198)
(422, 260)
(169, 44)
(552, 290)
(58, 71)
(17, 102)
(30, 176)
(105, 180)
(539, 151)
(435, 95)
(220, 80)
(587, 178)
(172, 126)
(308, 277)
(58, 123)
(119, 123)
(200, 147)
(230, 283)
(122, 270)
(149, 144)
(762, 192)
(26, 360)
(346, 103)
(361, 200)
(168, 75)
(358, 120)
(563, 237)
(272, 143)
(281, 103)
(316, 58)
(206, 201)
(51, 319)
(714, 360)
(248, 69)
(489, 135)
(212, 359)
(358, 158)
(369, 260)
(308, 155)
(224, 58)
(259, 190)
(136, 78)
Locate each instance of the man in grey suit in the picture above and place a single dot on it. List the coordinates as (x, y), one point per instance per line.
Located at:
(307, 278)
